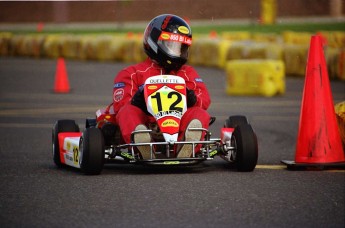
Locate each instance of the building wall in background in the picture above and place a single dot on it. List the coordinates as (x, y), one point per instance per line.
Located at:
(139, 10)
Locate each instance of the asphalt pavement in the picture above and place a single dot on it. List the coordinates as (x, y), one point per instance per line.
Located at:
(35, 193)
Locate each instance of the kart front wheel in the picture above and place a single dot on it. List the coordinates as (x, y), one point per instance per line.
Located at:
(92, 151)
(59, 127)
(245, 143)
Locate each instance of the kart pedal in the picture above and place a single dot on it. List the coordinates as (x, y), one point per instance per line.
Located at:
(187, 149)
(143, 137)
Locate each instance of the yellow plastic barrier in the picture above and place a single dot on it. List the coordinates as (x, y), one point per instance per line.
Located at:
(129, 47)
(27, 45)
(82, 53)
(340, 114)
(255, 77)
(267, 37)
(301, 38)
(89, 47)
(16, 44)
(210, 52)
(116, 49)
(333, 58)
(295, 58)
(254, 50)
(133, 49)
(334, 39)
(195, 52)
(37, 42)
(107, 47)
(99, 47)
(268, 11)
(274, 51)
(237, 50)
(70, 46)
(103, 51)
(5, 38)
(52, 46)
(341, 65)
(235, 36)
(223, 48)
(205, 51)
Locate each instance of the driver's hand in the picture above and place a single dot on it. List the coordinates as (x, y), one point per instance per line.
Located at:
(191, 98)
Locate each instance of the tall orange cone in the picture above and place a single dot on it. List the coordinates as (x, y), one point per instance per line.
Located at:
(318, 141)
(61, 78)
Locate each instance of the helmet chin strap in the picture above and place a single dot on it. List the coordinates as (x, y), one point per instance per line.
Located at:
(165, 70)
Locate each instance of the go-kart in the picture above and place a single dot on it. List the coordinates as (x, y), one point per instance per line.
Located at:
(165, 95)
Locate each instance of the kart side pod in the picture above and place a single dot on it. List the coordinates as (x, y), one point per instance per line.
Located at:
(69, 149)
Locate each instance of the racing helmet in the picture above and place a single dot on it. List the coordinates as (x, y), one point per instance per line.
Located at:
(166, 40)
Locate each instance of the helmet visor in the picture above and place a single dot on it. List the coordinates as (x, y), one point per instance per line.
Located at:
(174, 44)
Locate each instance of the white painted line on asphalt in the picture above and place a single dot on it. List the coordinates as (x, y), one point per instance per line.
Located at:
(282, 167)
(46, 111)
(25, 125)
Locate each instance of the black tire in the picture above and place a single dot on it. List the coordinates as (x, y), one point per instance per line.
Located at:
(246, 148)
(61, 126)
(91, 151)
(234, 121)
(90, 122)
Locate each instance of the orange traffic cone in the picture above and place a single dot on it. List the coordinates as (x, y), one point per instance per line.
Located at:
(39, 27)
(318, 142)
(213, 34)
(61, 78)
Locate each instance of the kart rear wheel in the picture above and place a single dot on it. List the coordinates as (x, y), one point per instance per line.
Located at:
(246, 148)
(234, 121)
(61, 126)
(92, 151)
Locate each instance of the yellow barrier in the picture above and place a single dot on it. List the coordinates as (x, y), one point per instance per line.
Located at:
(335, 59)
(223, 49)
(16, 45)
(26, 45)
(5, 39)
(254, 50)
(255, 77)
(52, 46)
(268, 11)
(133, 49)
(210, 50)
(205, 51)
(195, 53)
(340, 114)
(89, 48)
(300, 38)
(235, 36)
(70, 46)
(267, 37)
(295, 58)
(334, 39)
(102, 47)
(341, 65)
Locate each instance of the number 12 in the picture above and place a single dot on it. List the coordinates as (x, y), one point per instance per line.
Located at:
(172, 107)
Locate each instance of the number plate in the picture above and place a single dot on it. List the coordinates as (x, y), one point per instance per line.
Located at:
(165, 97)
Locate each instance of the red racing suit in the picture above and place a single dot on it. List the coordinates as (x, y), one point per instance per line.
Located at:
(128, 81)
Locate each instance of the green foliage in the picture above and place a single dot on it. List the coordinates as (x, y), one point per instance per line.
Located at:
(254, 27)
(276, 28)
